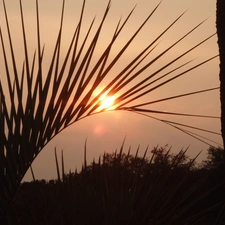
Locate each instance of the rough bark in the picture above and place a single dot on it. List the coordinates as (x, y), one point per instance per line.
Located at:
(220, 25)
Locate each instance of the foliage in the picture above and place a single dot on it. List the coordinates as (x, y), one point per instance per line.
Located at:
(215, 158)
(121, 189)
(161, 158)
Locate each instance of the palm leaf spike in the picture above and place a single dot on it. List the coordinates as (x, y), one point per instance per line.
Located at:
(176, 96)
(195, 128)
(57, 167)
(121, 151)
(199, 197)
(134, 186)
(178, 157)
(145, 153)
(153, 154)
(194, 159)
(159, 85)
(32, 173)
(136, 154)
(192, 134)
(99, 162)
(103, 158)
(63, 167)
(166, 155)
(199, 137)
(170, 191)
(131, 65)
(125, 95)
(85, 156)
(30, 126)
(127, 156)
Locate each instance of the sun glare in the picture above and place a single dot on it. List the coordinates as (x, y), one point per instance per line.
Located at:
(106, 102)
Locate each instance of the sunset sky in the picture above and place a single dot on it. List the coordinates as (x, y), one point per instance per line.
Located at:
(105, 132)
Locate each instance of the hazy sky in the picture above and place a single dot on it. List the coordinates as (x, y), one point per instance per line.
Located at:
(105, 132)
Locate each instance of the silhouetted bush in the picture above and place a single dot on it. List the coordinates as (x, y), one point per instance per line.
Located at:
(124, 189)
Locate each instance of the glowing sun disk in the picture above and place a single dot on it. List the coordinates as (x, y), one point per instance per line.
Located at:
(106, 101)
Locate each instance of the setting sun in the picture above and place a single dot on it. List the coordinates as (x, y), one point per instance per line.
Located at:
(106, 101)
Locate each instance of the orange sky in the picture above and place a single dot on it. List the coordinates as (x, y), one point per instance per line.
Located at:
(105, 132)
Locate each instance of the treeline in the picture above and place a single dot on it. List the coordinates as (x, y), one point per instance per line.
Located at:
(120, 188)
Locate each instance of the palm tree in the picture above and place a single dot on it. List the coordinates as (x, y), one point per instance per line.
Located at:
(37, 104)
(220, 18)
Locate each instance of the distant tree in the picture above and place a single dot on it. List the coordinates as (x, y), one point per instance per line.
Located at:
(130, 162)
(215, 158)
(163, 157)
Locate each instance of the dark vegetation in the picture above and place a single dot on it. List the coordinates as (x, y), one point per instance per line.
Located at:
(121, 188)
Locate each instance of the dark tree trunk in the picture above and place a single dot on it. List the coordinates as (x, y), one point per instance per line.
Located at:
(220, 25)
